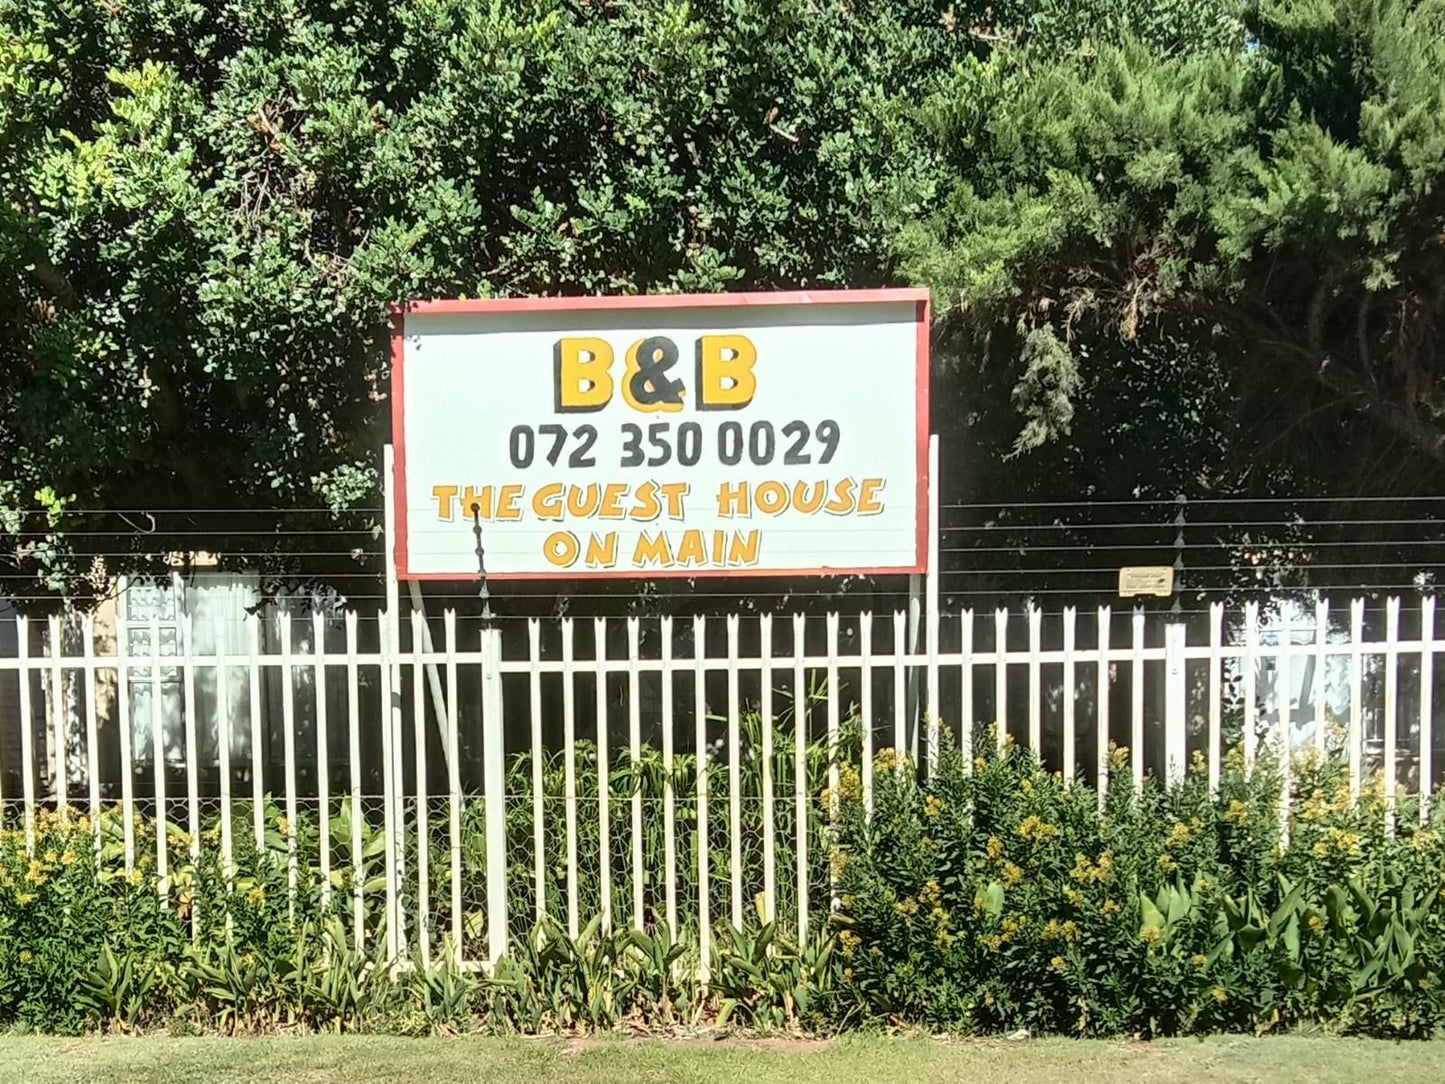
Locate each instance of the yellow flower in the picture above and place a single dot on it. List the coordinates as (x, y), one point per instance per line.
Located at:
(1167, 863)
(1074, 897)
(994, 846)
(979, 765)
(283, 825)
(1109, 908)
(1013, 924)
(22, 898)
(991, 941)
(931, 893)
(907, 907)
(135, 876)
(932, 806)
(1071, 930)
(25, 956)
(1199, 960)
(256, 896)
(850, 783)
(1037, 829)
(50, 858)
(1178, 835)
(1219, 995)
(1346, 841)
(887, 760)
(850, 941)
(68, 858)
(1322, 849)
(1012, 874)
(1058, 963)
(1027, 786)
(988, 999)
(1237, 813)
(1317, 924)
(944, 939)
(1150, 934)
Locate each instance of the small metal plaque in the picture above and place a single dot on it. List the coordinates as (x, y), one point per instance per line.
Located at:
(1156, 580)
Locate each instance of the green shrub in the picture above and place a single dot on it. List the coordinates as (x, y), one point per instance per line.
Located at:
(988, 897)
(995, 896)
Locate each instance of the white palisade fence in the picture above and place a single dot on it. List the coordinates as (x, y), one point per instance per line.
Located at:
(679, 778)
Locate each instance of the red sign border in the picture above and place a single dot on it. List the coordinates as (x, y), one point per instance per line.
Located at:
(919, 297)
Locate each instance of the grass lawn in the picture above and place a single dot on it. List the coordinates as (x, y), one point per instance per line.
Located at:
(30, 1060)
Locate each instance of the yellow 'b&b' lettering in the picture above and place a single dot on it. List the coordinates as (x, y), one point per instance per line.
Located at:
(580, 379)
(725, 379)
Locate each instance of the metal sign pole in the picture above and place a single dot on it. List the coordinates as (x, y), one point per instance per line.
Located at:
(392, 767)
(493, 751)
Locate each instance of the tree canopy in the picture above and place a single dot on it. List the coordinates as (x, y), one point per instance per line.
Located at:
(1217, 223)
(1278, 207)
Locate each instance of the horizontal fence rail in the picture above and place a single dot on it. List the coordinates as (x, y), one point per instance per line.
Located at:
(444, 785)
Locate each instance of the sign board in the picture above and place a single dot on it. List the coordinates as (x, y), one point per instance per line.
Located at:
(1157, 580)
(719, 434)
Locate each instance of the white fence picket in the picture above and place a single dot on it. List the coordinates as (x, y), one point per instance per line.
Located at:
(1136, 700)
(60, 769)
(454, 784)
(1068, 694)
(1000, 675)
(1427, 694)
(127, 761)
(421, 791)
(1101, 717)
(323, 757)
(1036, 693)
(634, 748)
(1392, 705)
(1216, 668)
(699, 710)
(92, 739)
(800, 756)
(865, 702)
(1357, 694)
(353, 738)
(604, 778)
(158, 761)
(539, 846)
(288, 742)
(569, 762)
(27, 735)
(258, 758)
(669, 789)
(965, 686)
(765, 725)
(735, 795)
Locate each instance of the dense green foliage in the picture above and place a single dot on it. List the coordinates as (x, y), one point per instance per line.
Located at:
(988, 897)
(208, 206)
(1178, 247)
(1278, 209)
(993, 896)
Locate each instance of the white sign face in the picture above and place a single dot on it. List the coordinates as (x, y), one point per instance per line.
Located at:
(732, 434)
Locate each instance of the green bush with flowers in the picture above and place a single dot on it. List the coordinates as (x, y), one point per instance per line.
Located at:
(986, 896)
(994, 896)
